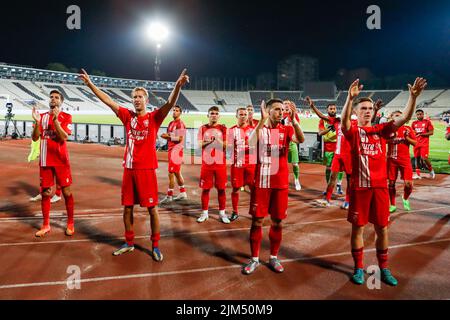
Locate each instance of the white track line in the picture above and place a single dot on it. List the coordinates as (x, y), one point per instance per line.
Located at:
(183, 234)
(235, 266)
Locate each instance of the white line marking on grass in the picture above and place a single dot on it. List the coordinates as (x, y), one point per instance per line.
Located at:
(209, 269)
(184, 234)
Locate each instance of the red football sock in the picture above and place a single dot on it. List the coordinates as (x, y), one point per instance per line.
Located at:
(235, 200)
(182, 189)
(129, 237)
(357, 255)
(382, 256)
(255, 240)
(392, 194)
(222, 199)
(205, 199)
(45, 206)
(418, 171)
(155, 239)
(69, 208)
(275, 236)
(347, 194)
(58, 191)
(170, 192)
(329, 192)
(430, 167)
(407, 191)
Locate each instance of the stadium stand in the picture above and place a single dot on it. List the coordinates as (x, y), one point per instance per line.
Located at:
(230, 100)
(27, 87)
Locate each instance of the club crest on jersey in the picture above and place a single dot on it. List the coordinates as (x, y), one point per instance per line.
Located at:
(146, 123)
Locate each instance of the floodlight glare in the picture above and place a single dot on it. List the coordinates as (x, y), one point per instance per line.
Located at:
(157, 31)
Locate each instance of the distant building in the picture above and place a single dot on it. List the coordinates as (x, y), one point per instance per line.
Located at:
(265, 81)
(295, 70)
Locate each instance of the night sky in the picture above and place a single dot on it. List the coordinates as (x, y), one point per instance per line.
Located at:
(229, 38)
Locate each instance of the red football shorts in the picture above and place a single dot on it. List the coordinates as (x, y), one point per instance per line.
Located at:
(175, 160)
(405, 168)
(369, 205)
(341, 164)
(139, 186)
(62, 174)
(241, 176)
(421, 151)
(265, 201)
(213, 176)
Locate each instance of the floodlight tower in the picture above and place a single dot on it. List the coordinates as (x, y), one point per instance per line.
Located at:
(158, 33)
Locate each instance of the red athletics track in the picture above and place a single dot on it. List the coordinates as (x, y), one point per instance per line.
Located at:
(202, 261)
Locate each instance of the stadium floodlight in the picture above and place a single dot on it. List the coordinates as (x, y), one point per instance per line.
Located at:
(158, 33)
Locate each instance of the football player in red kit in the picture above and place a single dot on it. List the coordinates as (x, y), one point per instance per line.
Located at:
(270, 194)
(398, 160)
(139, 184)
(212, 138)
(423, 129)
(54, 128)
(369, 197)
(243, 158)
(176, 131)
(251, 111)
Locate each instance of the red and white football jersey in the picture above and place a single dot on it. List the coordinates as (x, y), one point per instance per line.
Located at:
(254, 123)
(53, 150)
(398, 146)
(242, 153)
(141, 131)
(368, 150)
(175, 129)
(422, 126)
(273, 147)
(213, 155)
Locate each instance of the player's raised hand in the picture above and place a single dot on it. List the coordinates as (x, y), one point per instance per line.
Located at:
(309, 101)
(355, 89)
(292, 110)
(35, 114)
(183, 78)
(84, 77)
(264, 112)
(378, 105)
(416, 89)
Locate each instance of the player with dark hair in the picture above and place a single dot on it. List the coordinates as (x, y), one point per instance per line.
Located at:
(140, 185)
(212, 139)
(53, 129)
(270, 194)
(369, 197)
(251, 111)
(176, 130)
(293, 157)
(423, 129)
(243, 158)
(398, 160)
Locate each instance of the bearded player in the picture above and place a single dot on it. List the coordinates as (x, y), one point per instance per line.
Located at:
(270, 194)
(176, 131)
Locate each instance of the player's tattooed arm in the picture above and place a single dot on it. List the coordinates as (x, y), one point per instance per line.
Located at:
(99, 93)
(353, 91)
(414, 91)
(61, 134)
(298, 136)
(182, 80)
(253, 138)
(36, 130)
(311, 104)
